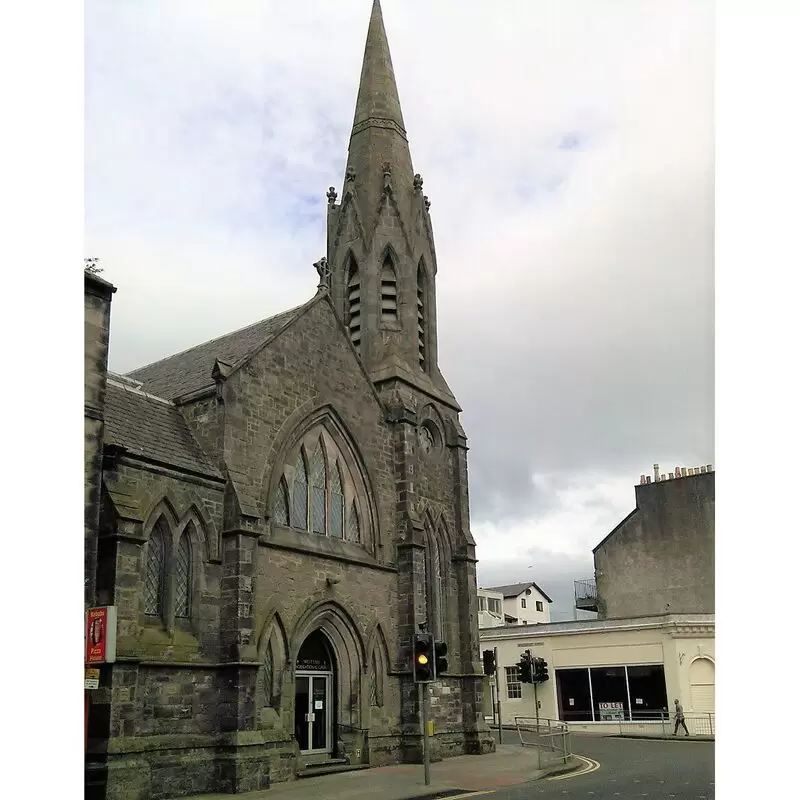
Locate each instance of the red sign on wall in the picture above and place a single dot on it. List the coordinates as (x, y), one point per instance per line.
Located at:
(101, 635)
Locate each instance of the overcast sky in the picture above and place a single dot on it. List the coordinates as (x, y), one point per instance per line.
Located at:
(567, 150)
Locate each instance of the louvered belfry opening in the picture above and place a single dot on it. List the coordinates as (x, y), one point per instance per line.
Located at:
(354, 304)
(388, 291)
(421, 315)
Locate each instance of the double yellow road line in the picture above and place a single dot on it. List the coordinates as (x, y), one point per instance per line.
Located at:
(591, 766)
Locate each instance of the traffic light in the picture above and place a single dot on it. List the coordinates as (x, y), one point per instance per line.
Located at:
(544, 675)
(489, 665)
(423, 663)
(440, 662)
(526, 668)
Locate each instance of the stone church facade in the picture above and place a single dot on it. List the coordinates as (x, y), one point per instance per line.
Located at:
(274, 513)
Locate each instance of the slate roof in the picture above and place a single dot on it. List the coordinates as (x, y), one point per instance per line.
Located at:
(190, 370)
(516, 589)
(152, 428)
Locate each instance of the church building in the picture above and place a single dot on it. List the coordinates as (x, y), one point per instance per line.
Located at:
(273, 514)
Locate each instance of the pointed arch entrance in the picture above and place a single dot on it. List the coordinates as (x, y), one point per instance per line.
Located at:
(314, 702)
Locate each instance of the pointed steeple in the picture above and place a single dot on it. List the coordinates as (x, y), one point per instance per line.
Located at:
(378, 100)
(380, 241)
(379, 134)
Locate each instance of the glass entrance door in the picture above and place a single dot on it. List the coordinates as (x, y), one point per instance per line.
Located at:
(312, 717)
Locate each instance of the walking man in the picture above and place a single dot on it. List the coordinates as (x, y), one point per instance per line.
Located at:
(679, 718)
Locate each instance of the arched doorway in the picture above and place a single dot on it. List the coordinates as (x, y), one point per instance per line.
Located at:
(314, 702)
(701, 685)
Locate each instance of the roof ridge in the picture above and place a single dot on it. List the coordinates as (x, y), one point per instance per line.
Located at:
(138, 391)
(218, 338)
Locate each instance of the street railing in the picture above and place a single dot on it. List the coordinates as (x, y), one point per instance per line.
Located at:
(550, 737)
(662, 724)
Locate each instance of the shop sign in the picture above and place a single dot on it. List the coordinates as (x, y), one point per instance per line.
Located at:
(91, 678)
(101, 635)
(611, 711)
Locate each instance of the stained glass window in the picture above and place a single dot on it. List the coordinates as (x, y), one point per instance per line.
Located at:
(280, 504)
(183, 575)
(318, 491)
(337, 504)
(155, 559)
(300, 495)
(353, 527)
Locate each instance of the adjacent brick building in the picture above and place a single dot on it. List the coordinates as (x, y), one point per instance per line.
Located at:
(278, 510)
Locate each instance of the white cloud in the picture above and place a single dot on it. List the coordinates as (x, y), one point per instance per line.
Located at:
(214, 129)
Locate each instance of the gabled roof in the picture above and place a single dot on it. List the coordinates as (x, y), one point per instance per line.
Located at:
(516, 589)
(152, 428)
(190, 370)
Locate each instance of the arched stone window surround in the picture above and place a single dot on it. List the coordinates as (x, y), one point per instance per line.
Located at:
(347, 645)
(430, 420)
(379, 663)
(436, 580)
(273, 655)
(338, 447)
(192, 524)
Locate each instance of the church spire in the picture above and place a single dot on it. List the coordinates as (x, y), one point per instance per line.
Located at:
(380, 240)
(379, 134)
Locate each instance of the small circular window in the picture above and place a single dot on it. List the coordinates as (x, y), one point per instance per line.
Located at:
(426, 439)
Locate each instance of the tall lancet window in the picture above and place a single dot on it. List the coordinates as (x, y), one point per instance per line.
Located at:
(318, 490)
(337, 504)
(388, 291)
(354, 303)
(422, 300)
(155, 569)
(300, 494)
(183, 574)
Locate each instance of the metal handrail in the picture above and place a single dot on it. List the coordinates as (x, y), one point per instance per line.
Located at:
(547, 733)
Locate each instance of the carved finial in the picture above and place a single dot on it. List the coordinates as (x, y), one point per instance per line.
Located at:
(324, 272)
(350, 175)
(418, 183)
(331, 195)
(427, 203)
(387, 175)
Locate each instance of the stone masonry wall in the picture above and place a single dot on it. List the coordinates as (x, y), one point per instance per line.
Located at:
(662, 558)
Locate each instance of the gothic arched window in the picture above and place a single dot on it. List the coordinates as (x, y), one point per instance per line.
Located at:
(280, 505)
(155, 569)
(183, 575)
(433, 585)
(353, 304)
(337, 504)
(321, 490)
(318, 490)
(388, 291)
(300, 494)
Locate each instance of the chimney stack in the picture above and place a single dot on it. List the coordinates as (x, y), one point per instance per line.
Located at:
(655, 471)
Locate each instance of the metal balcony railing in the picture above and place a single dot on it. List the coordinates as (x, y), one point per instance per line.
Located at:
(586, 595)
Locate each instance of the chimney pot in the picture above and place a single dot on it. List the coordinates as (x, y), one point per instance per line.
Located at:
(663, 478)
(648, 479)
(641, 479)
(702, 469)
(708, 468)
(671, 475)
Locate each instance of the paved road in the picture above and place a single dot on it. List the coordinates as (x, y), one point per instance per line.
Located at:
(629, 769)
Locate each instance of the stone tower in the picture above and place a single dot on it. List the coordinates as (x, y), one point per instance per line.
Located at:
(382, 264)
(380, 239)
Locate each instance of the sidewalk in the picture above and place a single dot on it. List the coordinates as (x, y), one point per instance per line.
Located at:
(511, 764)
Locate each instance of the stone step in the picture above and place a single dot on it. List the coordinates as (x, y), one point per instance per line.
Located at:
(313, 769)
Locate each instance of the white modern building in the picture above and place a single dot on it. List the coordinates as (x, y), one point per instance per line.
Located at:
(605, 671)
(521, 603)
